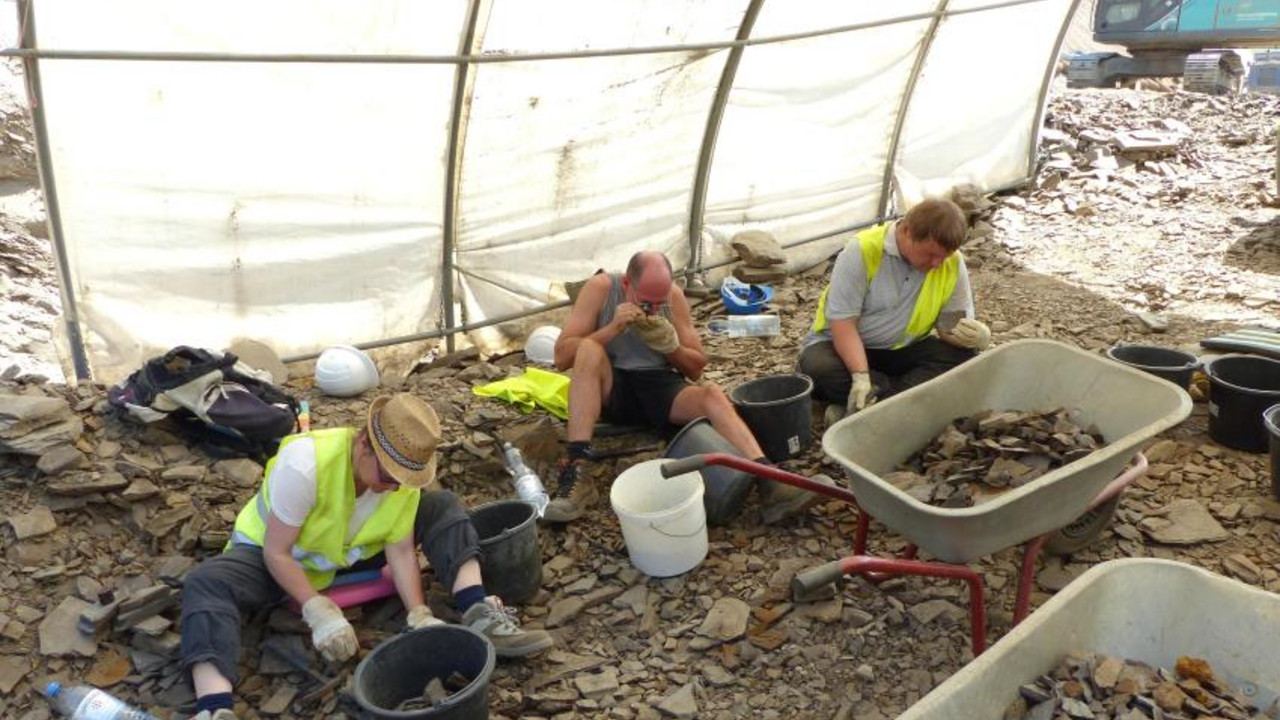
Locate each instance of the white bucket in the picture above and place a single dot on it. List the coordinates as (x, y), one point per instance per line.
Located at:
(662, 519)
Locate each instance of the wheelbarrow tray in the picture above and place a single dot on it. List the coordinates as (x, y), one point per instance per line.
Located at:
(1128, 406)
(1136, 609)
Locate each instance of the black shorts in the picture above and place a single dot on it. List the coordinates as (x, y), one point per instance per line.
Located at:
(643, 397)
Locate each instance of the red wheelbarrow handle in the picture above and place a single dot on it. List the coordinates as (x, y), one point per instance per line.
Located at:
(768, 472)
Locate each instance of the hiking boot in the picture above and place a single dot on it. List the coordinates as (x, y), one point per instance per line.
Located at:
(215, 715)
(489, 618)
(832, 415)
(574, 494)
(779, 501)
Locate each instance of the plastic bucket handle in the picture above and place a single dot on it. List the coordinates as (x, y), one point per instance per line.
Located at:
(660, 531)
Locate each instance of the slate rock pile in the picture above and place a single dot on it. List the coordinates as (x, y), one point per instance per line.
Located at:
(1100, 686)
(985, 454)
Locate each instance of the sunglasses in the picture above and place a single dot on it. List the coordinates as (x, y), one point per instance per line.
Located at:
(650, 308)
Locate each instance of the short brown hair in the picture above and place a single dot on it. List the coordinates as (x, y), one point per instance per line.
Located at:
(938, 220)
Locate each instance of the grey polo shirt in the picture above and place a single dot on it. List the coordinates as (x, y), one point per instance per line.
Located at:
(885, 308)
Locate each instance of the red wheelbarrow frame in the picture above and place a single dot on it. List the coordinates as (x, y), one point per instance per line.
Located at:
(878, 569)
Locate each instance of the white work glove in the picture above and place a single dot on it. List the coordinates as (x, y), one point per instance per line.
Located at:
(969, 333)
(332, 635)
(420, 617)
(861, 393)
(658, 333)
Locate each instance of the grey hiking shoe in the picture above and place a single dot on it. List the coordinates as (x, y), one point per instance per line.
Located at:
(779, 501)
(832, 415)
(498, 623)
(575, 492)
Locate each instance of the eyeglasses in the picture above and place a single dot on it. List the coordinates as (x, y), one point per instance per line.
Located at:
(650, 308)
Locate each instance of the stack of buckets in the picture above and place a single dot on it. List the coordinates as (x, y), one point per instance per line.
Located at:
(1244, 395)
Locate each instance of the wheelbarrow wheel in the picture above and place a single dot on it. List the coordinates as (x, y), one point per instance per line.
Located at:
(1083, 530)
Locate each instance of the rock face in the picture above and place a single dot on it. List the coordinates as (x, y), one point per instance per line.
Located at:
(34, 424)
(758, 249)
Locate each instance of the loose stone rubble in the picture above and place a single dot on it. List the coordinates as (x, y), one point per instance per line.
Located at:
(981, 456)
(1099, 686)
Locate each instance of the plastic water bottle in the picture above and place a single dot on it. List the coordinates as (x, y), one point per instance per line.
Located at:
(80, 702)
(528, 486)
(746, 326)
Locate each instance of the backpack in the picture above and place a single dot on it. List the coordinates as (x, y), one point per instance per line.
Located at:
(224, 406)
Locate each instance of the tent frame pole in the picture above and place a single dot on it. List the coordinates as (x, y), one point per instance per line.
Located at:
(1043, 101)
(698, 203)
(315, 58)
(464, 73)
(61, 261)
(900, 121)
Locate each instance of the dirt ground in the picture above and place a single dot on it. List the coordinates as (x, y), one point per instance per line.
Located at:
(1098, 251)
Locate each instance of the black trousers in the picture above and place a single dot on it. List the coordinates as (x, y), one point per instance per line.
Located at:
(218, 592)
(892, 371)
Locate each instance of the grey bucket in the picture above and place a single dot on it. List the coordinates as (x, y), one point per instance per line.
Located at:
(777, 410)
(1173, 365)
(724, 490)
(510, 554)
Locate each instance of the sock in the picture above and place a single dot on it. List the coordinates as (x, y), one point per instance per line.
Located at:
(579, 450)
(468, 596)
(215, 701)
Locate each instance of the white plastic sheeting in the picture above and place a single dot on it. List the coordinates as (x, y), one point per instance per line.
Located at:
(304, 203)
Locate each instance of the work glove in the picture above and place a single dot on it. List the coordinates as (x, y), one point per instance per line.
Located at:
(861, 393)
(970, 333)
(332, 635)
(420, 617)
(658, 333)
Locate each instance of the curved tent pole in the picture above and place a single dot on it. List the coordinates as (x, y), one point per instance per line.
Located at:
(70, 311)
(463, 75)
(698, 204)
(1044, 90)
(183, 56)
(886, 182)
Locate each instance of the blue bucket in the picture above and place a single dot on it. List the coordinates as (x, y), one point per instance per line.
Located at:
(742, 298)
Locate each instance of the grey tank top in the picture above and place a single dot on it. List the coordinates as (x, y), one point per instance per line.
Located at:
(628, 351)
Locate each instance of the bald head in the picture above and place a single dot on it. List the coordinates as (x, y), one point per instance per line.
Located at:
(649, 276)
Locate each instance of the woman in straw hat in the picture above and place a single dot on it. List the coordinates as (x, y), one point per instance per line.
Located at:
(332, 500)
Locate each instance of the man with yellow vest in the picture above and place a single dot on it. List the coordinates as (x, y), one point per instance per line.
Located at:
(891, 290)
(332, 500)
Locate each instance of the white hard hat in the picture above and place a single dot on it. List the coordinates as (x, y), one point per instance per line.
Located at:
(541, 345)
(343, 371)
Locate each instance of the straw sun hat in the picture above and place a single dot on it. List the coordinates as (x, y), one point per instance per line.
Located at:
(405, 432)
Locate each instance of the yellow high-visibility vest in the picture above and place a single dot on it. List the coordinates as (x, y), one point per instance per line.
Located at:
(939, 283)
(322, 548)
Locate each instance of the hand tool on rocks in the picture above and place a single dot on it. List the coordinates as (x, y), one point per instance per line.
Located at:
(324, 685)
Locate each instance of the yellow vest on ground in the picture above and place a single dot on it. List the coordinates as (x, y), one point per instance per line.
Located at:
(322, 548)
(936, 291)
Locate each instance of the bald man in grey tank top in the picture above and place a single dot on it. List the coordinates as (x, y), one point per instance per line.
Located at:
(631, 344)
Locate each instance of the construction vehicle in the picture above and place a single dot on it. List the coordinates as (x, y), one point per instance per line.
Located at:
(1199, 40)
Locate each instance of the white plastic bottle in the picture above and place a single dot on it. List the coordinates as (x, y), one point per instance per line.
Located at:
(526, 481)
(80, 702)
(747, 326)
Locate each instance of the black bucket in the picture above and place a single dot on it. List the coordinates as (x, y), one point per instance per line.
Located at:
(1173, 365)
(725, 490)
(1241, 388)
(401, 666)
(777, 409)
(510, 554)
(1271, 420)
